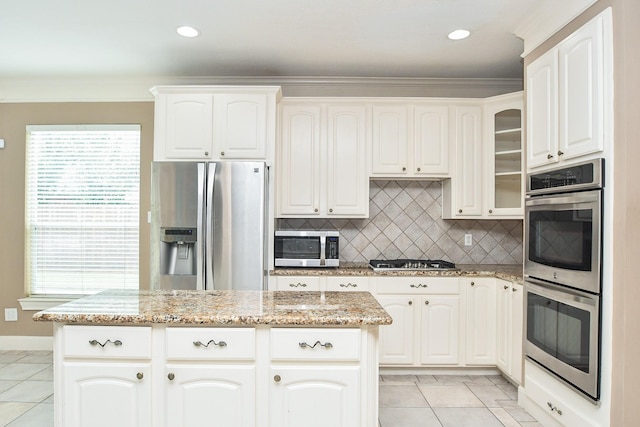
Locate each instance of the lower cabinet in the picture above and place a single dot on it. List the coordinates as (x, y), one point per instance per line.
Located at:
(315, 396)
(202, 394)
(481, 321)
(101, 394)
(426, 328)
(510, 311)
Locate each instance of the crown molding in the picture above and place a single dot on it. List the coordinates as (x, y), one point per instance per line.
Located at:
(549, 17)
(14, 90)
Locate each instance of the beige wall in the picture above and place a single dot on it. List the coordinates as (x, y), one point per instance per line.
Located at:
(625, 410)
(13, 120)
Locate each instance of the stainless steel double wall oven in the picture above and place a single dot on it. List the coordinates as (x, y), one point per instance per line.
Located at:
(563, 273)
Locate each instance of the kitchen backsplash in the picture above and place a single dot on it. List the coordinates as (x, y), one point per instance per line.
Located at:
(405, 221)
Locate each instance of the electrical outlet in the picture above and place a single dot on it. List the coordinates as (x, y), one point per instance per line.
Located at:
(10, 314)
(468, 239)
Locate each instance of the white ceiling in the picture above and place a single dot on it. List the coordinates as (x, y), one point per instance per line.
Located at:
(334, 38)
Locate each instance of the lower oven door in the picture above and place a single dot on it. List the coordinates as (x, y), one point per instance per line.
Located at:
(562, 334)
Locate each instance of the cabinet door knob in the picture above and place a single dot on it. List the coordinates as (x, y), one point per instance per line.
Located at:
(426, 302)
(459, 210)
(506, 287)
(171, 376)
(330, 210)
(549, 156)
(410, 302)
(139, 375)
(514, 289)
(222, 153)
(404, 169)
(206, 153)
(490, 211)
(560, 153)
(277, 378)
(315, 210)
(418, 169)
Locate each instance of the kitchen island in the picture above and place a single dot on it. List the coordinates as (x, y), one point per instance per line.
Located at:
(228, 358)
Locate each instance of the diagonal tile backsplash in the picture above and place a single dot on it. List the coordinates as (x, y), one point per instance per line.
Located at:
(405, 221)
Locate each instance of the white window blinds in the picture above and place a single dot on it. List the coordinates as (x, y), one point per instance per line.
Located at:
(82, 208)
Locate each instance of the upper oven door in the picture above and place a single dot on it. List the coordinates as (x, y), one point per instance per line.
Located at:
(563, 239)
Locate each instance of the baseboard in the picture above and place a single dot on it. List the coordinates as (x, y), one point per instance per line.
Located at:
(26, 343)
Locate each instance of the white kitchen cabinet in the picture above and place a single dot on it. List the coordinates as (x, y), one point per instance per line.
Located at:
(440, 330)
(426, 328)
(481, 321)
(569, 96)
(397, 339)
(298, 283)
(504, 156)
(410, 140)
(510, 312)
(222, 395)
(315, 396)
(214, 122)
(462, 194)
(321, 168)
(102, 394)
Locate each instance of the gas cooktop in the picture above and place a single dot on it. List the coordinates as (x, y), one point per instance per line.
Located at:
(411, 264)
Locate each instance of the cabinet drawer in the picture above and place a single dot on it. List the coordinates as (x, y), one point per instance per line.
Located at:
(299, 283)
(131, 342)
(418, 285)
(211, 343)
(315, 344)
(347, 283)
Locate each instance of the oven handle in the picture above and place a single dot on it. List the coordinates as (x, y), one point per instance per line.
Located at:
(563, 200)
(560, 293)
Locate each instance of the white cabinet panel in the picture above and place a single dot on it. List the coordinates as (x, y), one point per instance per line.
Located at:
(397, 339)
(431, 139)
(390, 140)
(240, 126)
(542, 116)
(184, 128)
(440, 329)
(481, 321)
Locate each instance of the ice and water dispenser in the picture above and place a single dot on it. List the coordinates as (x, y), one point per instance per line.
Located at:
(178, 251)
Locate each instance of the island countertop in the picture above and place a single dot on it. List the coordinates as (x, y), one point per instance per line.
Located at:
(221, 308)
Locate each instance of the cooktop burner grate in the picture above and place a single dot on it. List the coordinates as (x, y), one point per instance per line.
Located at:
(411, 264)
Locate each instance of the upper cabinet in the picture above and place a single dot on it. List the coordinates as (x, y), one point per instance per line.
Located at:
(215, 122)
(569, 96)
(321, 160)
(409, 140)
(504, 183)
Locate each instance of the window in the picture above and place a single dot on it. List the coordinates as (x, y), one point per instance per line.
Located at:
(82, 208)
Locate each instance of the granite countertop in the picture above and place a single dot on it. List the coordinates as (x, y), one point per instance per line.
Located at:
(221, 308)
(510, 272)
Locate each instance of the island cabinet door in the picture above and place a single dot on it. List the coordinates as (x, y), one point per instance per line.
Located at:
(203, 395)
(315, 396)
(106, 395)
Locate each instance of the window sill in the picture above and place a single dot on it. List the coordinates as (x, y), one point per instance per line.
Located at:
(36, 303)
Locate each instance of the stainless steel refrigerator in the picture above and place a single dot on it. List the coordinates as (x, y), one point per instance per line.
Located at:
(208, 225)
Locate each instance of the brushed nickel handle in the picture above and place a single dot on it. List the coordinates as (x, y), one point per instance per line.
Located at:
(554, 408)
(298, 285)
(419, 285)
(139, 375)
(201, 344)
(96, 342)
(325, 345)
(171, 376)
(277, 378)
(549, 156)
(348, 285)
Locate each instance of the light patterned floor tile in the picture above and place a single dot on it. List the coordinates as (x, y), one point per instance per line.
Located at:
(39, 416)
(446, 396)
(467, 417)
(408, 417)
(401, 396)
(9, 411)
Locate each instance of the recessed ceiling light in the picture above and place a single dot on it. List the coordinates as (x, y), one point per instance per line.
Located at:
(458, 34)
(187, 31)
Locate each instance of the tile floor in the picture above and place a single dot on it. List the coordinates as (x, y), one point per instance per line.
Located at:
(450, 401)
(26, 397)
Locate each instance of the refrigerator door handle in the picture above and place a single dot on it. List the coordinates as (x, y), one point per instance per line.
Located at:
(201, 227)
(211, 180)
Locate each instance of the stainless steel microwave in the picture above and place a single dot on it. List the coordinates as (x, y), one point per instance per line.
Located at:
(307, 248)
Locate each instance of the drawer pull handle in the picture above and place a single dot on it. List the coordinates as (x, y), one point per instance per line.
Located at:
(554, 408)
(348, 285)
(298, 285)
(325, 345)
(201, 344)
(420, 285)
(96, 342)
